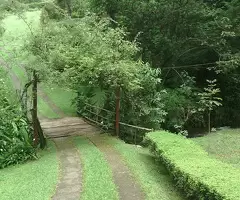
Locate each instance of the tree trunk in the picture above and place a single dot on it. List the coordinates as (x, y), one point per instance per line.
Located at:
(34, 110)
(117, 110)
(69, 7)
(209, 121)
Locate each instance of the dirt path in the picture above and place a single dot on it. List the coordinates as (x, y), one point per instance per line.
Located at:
(69, 186)
(51, 104)
(128, 188)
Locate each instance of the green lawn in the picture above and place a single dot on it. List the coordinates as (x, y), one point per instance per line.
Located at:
(18, 28)
(152, 176)
(20, 74)
(97, 176)
(223, 145)
(62, 98)
(32, 180)
(45, 110)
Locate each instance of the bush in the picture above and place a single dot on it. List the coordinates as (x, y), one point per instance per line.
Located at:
(51, 11)
(15, 137)
(194, 172)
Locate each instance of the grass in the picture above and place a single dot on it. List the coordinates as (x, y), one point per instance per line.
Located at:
(20, 74)
(97, 176)
(45, 110)
(195, 172)
(152, 176)
(62, 98)
(223, 145)
(18, 29)
(32, 180)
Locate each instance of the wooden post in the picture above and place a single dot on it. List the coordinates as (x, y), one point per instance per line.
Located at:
(34, 110)
(117, 110)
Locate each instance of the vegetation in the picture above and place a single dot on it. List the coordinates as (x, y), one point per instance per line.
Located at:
(45, 110)
(15, 138)
(209, 100)
(222, 145)
(97, 180)
(177, 45)
(152, 176)
(197, 37)
(36, 179)
(92, 65)
(174, 65)
(194, 172)
(62, 98)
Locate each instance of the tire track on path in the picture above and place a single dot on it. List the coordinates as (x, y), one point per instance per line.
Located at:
(128, 188)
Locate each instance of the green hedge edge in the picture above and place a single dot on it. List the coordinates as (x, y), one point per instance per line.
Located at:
(197, 174)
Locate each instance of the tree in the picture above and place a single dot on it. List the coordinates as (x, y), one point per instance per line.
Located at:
(65, 4)
(209, 99)
(87, 53)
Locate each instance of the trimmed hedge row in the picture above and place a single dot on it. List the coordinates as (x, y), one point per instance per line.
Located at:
(197, 174)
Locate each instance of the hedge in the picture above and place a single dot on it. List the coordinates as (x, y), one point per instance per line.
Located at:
(193, 170)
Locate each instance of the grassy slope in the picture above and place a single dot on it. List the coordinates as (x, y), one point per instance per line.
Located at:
(17, 32)
(62, 98)
(152, 176)
(32, 180)
(223, 145)
(97, 178)
(45, 110)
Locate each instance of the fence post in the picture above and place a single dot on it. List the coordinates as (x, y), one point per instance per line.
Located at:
(34, 110)
(117, 110)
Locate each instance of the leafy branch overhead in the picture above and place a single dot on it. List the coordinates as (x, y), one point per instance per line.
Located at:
(89, 52)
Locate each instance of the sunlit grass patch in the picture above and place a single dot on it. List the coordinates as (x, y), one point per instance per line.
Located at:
(32, 180)
(97, 176)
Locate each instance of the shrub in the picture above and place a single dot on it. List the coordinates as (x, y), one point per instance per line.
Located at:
(15, 137)
(194, 172)
(52, 11)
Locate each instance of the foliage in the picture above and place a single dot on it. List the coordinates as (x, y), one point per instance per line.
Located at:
(65, 4)
(193, 170)
(209, 100)
(228, 114)
(89, 50)
(1, 30)
(51, 11)
(142, 107)
(32, 180)
(15, 137)
(12, 6)
(181, 36)
(181, 106)
(74, 8)
(89, 56)
(97, 174)
(168, 41)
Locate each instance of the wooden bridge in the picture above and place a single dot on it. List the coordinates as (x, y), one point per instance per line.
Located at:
(68, 126)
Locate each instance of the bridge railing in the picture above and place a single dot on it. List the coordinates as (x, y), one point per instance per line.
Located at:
(107, 120)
